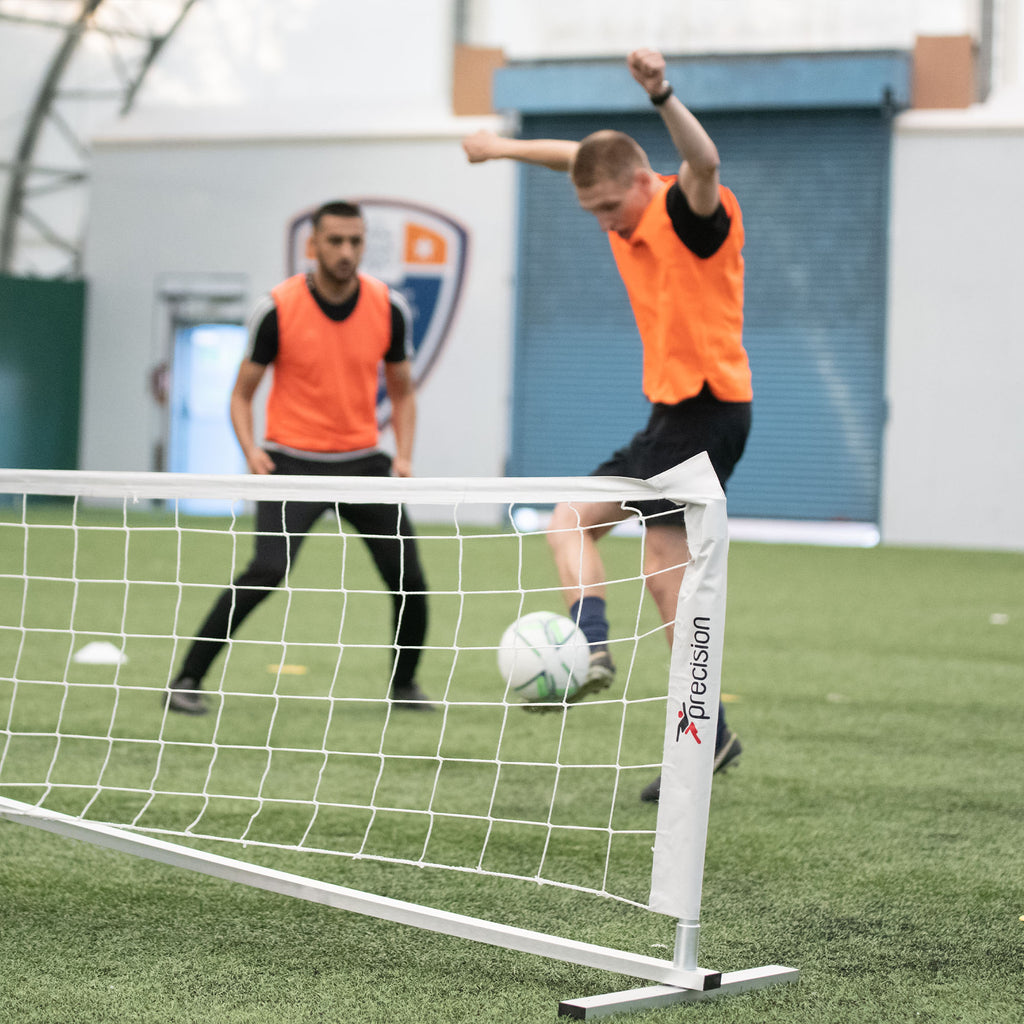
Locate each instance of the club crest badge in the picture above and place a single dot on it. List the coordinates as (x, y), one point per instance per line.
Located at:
(421, 254)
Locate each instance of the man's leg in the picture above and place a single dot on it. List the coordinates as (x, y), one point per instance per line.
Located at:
(280, 530)
(391, 540)
(572, 536)
(666, 554)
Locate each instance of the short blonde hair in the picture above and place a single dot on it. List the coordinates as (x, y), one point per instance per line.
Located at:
(607, 155)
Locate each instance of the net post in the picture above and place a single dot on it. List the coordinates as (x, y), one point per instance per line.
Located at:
(687, 940)
(694, 693)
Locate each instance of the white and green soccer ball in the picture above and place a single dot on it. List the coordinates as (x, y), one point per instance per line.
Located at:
(543, 657)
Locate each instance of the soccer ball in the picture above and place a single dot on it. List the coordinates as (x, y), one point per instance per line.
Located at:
(543, 657)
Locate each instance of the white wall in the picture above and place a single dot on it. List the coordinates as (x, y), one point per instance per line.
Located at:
(223, 206)
(231, 140)
(954, 455)
(534, 29)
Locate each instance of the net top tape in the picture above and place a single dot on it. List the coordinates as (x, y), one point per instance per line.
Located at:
(423, 490)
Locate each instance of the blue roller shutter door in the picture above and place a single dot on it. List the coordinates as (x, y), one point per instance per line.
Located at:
(814, 188)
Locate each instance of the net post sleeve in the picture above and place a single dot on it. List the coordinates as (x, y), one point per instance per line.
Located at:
(694, 693)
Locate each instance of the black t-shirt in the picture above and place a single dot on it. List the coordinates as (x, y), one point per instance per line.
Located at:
(703, 236)
(263, 330)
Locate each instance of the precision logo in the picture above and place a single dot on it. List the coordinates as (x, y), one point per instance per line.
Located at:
(686, 727)
(695, 708)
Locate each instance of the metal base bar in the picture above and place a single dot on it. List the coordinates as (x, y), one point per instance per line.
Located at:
(655, 996)
(479, 930)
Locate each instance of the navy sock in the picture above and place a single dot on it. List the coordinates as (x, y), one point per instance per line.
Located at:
(592, 620)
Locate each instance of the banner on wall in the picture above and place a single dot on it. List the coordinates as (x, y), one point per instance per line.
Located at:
(421, 254)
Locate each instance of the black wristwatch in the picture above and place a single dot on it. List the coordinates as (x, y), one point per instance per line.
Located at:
(666, 90)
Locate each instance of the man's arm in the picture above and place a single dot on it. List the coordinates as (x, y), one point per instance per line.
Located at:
(402, 393)
(558, 154)
(698, 173)
(248, 380)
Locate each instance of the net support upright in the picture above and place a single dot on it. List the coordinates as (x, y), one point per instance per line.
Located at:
(694, 696)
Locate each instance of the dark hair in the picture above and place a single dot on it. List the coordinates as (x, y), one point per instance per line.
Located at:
(607, 155)
(336, 208)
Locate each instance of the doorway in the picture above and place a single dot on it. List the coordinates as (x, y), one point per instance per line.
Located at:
(204, 342)
(206, 360)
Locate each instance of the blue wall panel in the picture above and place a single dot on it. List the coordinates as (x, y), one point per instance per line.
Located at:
(813, 186)
(751, 81)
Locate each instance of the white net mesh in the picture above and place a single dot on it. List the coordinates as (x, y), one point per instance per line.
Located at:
(103, 583)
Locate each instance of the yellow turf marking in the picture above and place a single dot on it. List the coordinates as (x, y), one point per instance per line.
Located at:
(288, 670)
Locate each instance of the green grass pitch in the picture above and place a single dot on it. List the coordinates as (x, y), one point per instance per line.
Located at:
(872, 834)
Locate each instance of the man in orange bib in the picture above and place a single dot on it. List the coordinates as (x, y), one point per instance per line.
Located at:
(677, 241)
(326, 334)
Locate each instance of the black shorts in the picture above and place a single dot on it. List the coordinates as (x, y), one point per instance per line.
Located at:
(369, 519)
(374, 463)
(675, 433)
(281, 527)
